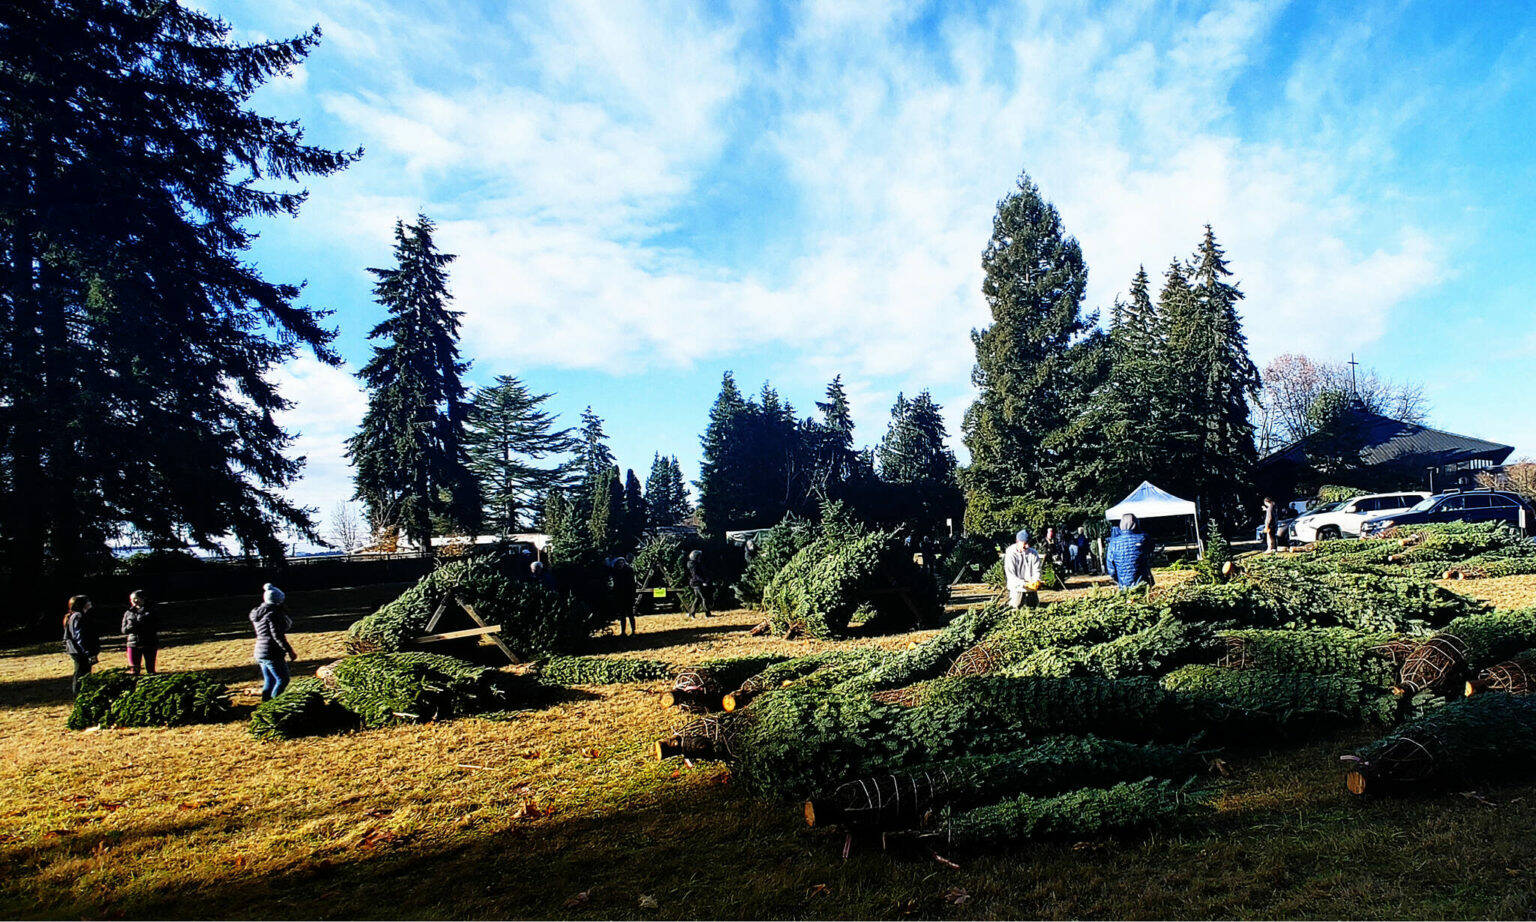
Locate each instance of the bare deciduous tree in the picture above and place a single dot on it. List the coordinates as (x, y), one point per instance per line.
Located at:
(1293, 383)
(346, 527)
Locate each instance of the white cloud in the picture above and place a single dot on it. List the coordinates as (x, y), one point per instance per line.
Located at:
(557, 143)
(327, 407)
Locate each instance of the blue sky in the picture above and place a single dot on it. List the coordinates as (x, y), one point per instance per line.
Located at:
(645, 195)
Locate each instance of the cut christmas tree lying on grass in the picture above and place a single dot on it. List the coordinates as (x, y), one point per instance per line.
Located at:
(113, 698)
(390, 688)
(1487, 737)
(1079, 814)
(1444, 662)
(305, 708)
(904, 799)
(599, 670)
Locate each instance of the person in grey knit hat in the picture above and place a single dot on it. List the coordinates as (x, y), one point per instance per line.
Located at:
(270, 619)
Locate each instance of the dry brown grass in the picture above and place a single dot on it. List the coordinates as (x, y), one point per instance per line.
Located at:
(562, 812)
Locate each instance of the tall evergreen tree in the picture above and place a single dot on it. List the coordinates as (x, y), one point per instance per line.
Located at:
(636, 517)
(677, 492)
(508, 436)
(605, 523)
(1224, 381)
(1037, 362)
(914, 458)
(658, 510)
(409, 453)
(137, 339)
(593, 459)
(723, 468)
(837, 468)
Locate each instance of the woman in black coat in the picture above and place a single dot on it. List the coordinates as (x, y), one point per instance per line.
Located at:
(270, 619)
(141, 628)
(80, 639)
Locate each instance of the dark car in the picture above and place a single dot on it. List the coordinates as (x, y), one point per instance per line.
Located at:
(1469, 506)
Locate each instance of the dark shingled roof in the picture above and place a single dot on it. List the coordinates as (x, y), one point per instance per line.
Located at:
(1391, 441)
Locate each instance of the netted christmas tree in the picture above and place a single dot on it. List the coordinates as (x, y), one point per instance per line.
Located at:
(821, 590)
(112, 698)
(600, 670)
(390, 688)
(1515, 676)
(1079, 814)
(1473, 740)
(1444, 662)
(906, 799)
(535, 620)
(305, 708)
(1239, 701)
(1330, 650)
(704, 685)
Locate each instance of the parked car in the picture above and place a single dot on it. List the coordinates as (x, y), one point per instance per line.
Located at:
(1341, 519)
(1458, 506)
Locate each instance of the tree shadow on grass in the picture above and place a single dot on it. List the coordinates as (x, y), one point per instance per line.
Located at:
(652, 640)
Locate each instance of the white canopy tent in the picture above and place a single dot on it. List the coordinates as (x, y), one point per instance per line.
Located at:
(1148, 502)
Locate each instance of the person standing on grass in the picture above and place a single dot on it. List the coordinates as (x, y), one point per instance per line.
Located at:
(698, 583)
(270, 619)
(80, 639)
(1128, 558)
(1022, 568)
(1271, 525)
(621, 580)
(141, 628)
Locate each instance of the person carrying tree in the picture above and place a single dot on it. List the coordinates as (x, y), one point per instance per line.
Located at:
(1022, 568)
(621, 582)
(698, 583)
(80, 639)
(271, 621)
(1128, 558)
(141, 627)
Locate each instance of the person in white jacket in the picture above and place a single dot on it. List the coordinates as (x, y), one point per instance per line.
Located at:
(1022, 568)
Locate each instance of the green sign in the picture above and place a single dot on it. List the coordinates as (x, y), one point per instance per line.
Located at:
(659, 593)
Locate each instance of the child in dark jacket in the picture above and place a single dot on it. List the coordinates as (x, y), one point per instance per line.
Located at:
(141, 628)
(80, 639)
(270, 619)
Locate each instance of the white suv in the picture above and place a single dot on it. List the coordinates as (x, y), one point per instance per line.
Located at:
(1335, 520)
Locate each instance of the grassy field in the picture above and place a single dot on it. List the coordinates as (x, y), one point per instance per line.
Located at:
(563, 812)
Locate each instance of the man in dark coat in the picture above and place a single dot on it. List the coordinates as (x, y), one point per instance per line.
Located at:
(698, 582)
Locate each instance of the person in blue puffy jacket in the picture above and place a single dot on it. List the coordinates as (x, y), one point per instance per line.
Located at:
(1128, 559)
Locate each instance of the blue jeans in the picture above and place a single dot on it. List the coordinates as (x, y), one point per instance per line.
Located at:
(274, 677)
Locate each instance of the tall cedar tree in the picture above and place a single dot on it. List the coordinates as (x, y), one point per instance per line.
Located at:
(1038, 361)
(508, 436)
(915, 461)
(409, 452)
(137, 342)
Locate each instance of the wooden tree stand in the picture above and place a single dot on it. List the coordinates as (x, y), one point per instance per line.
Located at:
(481, 628)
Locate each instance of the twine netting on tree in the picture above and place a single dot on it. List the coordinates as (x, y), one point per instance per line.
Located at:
(910, 697)
(980, 659)
(1397, 651)
(1239, 654)
(888, 801)
(1437, 664)
(696, 683)
(707, 737)
(1516, 676)
(1412, 757)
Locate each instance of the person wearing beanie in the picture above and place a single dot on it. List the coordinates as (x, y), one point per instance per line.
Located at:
(270, 619)
(1023, 571)
(1128, 559)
